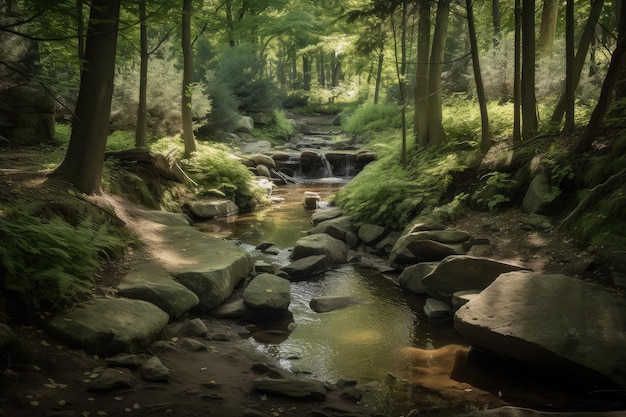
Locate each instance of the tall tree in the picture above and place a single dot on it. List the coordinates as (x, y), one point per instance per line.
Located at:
(547, 30)
(529, 100)
(187, 117)
(421, 74)
(84, 159)
(613, 76)
(569, 67)
(436, 134)
(141, 129)
(485, 141)
(517, 74)
(579, 60)
(495, 16)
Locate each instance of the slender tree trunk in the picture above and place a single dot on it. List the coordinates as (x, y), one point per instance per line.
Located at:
(421, 74)
(80, 31)
(187, 116)
(402, 81)
(613, 75)
(436, 134)
(84, 159)
(495, 13)
(547, 29)
(570, 89)
(485, 137)
(306, 72)
(517, 70)
(529, 100)
(579, 60)
(141, 129)
(379, 74)
(230, 24)
(335, 70)
(322, 70)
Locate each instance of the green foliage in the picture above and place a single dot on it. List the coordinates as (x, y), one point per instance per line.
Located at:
(281, 130)
(606, 164)
(450, 211)
(495, 190)
(215, 167)
(120, 140)
(604, 224)
(48, 263)
(372, 117)
(387, 195)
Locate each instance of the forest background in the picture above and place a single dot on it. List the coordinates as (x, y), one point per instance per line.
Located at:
(465, 103)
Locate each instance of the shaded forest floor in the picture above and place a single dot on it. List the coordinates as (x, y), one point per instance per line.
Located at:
(215, 382)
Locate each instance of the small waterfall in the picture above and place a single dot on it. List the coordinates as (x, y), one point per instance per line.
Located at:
(350, 166)
(326, 170)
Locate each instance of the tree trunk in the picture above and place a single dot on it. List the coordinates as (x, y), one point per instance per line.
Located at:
(581, 54)
(80, 31)
(322, 71)
(187, 116)
(230, 24)
(613, 75)
(547, 29)
(379, 74)
(141, 129)
(570, 89)
(485, 137)
(529, 100)
(436, 134)
(495, 13)
(306, 73)
(517, 84)
(421, 74)
(84, 159)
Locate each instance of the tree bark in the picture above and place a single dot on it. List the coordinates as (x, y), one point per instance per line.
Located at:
(485, 138)
(579, 60)
(187, 116)
(421, 74)
(84, 160)
(613, 75)
(529, 100)
(80, 32)
(495, 14)
(141, 129)
(379, 74)
(570, 89)
(306, 72)
(517, 84)
(547, 29)
(436, 134)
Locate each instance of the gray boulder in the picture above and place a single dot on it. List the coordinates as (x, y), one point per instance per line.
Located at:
(209, 209)
(411, 277)
(330, 303)
(150, 282)
(244, 124)
(553, 321)
(112, 379)
(461, 273)
(535, 197)
(371, 234)
(338, 227)
(310, 200)
(437, 309)
(108, 326)
(325, 214)
(260, 159)
(153, 370)
(526, 412)
(335, 250)
(268, 291)
(428, 245)
(460, 298)
(385, 246)
(208, 266)
(299, 388)
(232, 310)
(306, 267)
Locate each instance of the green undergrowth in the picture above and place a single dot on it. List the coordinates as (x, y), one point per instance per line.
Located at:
(216, 170)
(280, 130)
(47, 263)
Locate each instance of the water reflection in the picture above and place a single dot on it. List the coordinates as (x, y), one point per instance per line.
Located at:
(362, 342)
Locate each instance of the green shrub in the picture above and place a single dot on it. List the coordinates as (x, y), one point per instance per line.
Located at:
(281, 130)
(372, 117)
(121, 140)
(48, 263)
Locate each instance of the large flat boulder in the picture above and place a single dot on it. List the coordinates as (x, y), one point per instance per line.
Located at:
(428, 246)
(411, 278)
(526, 412)
(306, 267)
(553, 321)
(325, 214)
(150, 282)
(107, 326)
(337, 227)
(462, 273)
(209, 209)
(208, 266)
(335, 250)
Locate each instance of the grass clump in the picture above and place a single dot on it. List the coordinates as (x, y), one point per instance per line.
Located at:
(280, 130)
(47, 263)
(372, 117)
(214, 168)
